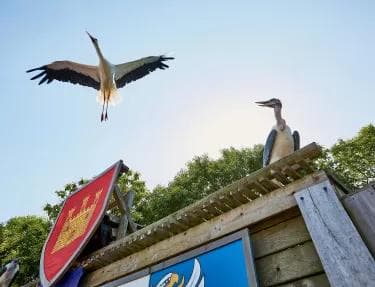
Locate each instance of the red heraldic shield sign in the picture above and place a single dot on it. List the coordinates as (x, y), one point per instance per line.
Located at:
(78, 219)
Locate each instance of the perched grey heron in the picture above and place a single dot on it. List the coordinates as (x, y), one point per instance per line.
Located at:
(105, 77)
(280, 142)
(8, 273)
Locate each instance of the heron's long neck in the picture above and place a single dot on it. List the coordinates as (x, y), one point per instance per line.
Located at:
(99, 52)
(279, 120)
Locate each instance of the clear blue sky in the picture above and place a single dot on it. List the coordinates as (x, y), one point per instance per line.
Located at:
(316, 56)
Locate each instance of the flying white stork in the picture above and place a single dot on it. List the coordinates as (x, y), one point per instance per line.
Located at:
(8, 273)
(280, 142)
(105, 77)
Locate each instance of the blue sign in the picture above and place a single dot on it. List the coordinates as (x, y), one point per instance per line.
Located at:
(223, 266)
(227, 262)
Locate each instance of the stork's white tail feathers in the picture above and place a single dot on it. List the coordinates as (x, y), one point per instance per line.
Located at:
(114, 98)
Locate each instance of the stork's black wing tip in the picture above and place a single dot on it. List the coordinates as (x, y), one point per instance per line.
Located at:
(38, 75)
(36, 69)
(163, 58)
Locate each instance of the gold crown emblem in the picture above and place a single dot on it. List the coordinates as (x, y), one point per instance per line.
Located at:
(75, 226)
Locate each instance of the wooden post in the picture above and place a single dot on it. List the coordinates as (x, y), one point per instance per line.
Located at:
(361, 207)
(125, 203)
(345, 258)
(129, 198)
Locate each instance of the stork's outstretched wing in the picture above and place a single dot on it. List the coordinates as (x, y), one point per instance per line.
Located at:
(132, 71)
(67, 71)
(268, 147)
(296, 140)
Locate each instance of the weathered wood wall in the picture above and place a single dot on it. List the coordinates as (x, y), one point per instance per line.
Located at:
(361, 207)
(346, 259)
(283, 249)
(284, 253)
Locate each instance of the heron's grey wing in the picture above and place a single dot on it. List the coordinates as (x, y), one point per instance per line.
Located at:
(268, 147)
(132, 71)
(67, 71)
(296, 140)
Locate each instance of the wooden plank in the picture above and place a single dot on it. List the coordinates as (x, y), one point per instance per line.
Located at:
(129, 198)
(119, 199)
(277, 174)
(361, 207)
(280, 236)
(269, 184)
(123, 226)
(249, 193)
(312, 281)
(345, 257)
(239, 197)
(290, 264)
(291, 173)
(258, 187)
(221, 206)
(195, 217)
(211, 209)
(229, 201)
(274, 220)
(253, 212)
(124, 204)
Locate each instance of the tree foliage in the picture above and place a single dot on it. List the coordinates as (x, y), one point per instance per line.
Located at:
(353, 160)
(201, 177)
(23, 238)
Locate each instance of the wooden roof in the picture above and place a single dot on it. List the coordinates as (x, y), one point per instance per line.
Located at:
(275, 176)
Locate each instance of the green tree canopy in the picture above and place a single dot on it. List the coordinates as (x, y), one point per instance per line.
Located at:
(201, 177)
(23, 238)
(353, 160)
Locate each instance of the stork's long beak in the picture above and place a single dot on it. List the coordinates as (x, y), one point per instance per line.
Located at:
(91, 37)
(265, 103)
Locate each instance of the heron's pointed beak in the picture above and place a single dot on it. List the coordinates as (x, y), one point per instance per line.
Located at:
(91, 37)
(264, 104)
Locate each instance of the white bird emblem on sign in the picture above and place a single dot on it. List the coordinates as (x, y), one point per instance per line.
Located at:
(173, 279)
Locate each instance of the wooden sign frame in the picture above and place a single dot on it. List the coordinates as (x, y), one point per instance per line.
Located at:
(118, 168)
(242, 235)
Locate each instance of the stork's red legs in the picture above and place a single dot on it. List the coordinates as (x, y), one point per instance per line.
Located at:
(102, 116)
(106, 109)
